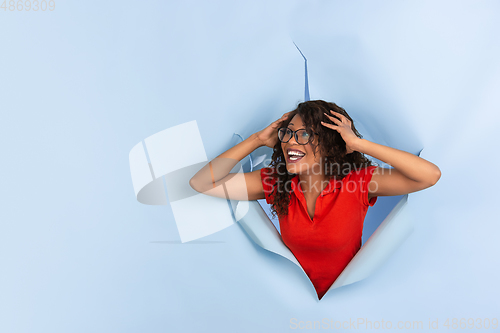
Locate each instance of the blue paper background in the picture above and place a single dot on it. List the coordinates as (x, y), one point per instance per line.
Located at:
(81, 85)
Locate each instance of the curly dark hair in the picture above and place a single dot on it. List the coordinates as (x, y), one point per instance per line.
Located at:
(337, 163)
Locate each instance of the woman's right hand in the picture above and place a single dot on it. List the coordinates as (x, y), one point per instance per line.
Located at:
(269, 135)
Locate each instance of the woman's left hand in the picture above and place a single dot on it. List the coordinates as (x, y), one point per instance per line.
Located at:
(343, 126)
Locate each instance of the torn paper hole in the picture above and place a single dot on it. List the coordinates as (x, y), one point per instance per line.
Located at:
(213, 214)
(193, 224)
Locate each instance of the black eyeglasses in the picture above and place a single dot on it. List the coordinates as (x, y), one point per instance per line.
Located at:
(302, 136)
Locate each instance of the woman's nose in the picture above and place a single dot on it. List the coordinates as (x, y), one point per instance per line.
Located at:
(293, 140)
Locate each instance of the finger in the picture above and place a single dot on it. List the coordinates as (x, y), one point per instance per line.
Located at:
(277, 123)
(332, 126)
(338, 114)
(341, 116)
(283, 117)
(279, 120)
(332, 118)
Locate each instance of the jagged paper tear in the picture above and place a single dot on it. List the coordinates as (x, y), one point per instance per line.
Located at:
(213, 214)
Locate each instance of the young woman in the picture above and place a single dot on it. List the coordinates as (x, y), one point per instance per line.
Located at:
(319, 183)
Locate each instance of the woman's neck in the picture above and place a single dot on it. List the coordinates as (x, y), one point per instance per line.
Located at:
(312, 184)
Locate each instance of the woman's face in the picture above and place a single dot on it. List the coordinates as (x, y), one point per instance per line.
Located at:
(308, 163)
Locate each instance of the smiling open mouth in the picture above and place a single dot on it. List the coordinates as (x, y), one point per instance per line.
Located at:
(294, 156)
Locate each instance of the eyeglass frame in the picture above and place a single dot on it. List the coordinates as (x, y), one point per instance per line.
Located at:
(294, 135)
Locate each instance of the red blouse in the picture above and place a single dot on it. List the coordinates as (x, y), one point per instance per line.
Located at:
(325, 245)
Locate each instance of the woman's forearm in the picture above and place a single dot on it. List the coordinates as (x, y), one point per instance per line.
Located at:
(411, 166)
(222, 165)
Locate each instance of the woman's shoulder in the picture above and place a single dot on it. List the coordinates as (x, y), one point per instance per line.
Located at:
(357, 183)
(268, 170)
(268, 178)
(268, 174)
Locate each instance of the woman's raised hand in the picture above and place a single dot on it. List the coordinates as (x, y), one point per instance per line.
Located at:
(269, 135)
(343, 126)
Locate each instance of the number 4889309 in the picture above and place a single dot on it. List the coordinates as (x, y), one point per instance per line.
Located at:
(27, 5)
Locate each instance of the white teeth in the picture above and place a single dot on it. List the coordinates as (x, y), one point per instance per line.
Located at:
(295, 153)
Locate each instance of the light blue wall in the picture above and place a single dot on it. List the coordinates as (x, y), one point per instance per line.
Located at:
(81, 85)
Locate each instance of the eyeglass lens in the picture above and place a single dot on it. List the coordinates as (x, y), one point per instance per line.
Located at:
(301, 135)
